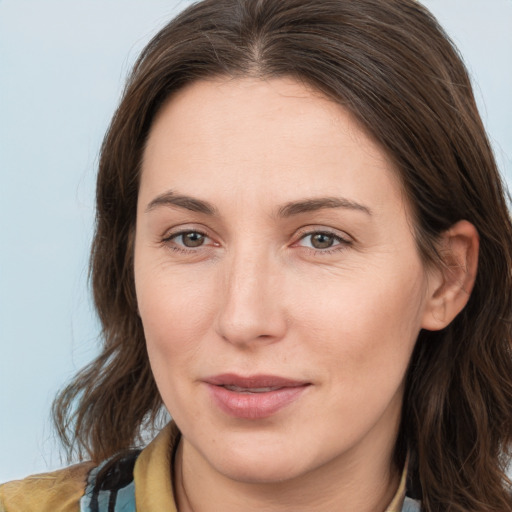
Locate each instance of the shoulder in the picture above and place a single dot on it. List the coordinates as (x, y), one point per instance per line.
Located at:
(59, 491)
(107, 486)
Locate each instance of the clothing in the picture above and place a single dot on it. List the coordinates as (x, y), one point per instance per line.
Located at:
(74, 489)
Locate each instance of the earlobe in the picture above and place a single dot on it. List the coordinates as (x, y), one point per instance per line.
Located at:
(450, 285)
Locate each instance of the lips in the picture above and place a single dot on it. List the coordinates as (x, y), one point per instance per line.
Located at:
(254, 397)
(238, 389)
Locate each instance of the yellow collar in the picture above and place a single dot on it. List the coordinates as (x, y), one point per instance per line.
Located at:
(152, 473)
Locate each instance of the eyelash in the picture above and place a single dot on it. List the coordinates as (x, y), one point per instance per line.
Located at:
(342, 243)
(168, 241)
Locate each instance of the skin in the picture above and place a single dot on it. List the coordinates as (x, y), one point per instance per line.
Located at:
(258, 294)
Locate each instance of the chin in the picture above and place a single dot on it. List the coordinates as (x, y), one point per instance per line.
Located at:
(260, 470)
(260, 460)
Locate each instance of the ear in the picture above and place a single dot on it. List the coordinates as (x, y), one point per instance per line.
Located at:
(450, 284)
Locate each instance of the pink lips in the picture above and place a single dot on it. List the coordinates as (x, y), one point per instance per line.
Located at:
(254, 397)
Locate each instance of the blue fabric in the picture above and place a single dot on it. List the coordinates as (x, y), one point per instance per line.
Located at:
(116, 493)
(411, 505)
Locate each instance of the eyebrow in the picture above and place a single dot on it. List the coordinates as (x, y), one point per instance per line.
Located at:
(314, 204)
(290, 209)
(169, 198)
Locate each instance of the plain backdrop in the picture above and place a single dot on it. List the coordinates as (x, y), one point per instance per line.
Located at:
(62, 69)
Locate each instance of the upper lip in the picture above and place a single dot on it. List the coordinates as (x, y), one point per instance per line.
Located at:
(254, 381)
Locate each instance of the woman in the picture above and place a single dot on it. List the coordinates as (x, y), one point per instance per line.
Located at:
(302, 253)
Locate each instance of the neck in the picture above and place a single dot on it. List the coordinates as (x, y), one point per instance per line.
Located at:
(366, 485)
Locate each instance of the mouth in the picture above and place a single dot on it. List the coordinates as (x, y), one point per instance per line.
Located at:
(255, 382)
(238, 389)
(254, 397)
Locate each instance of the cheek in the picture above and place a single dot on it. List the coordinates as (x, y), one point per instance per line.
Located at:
(175, 314)
(367, 325)
(176, 311)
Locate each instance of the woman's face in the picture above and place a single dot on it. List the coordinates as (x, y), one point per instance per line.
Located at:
(278, 280)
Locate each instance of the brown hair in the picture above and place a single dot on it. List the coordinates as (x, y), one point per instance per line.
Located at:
(392, 66)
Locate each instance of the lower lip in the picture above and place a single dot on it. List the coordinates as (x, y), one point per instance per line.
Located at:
(254, 406)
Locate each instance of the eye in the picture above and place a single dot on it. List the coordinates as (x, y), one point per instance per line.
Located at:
(192, 239)
(322, 241)
(188, 239)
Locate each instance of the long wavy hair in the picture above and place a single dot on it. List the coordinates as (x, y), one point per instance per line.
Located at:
(393, 67)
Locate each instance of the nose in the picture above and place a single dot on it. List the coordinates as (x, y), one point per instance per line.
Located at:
(251, 310)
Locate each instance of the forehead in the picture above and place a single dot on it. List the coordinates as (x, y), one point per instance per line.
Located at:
(276, 138)
(301, 114)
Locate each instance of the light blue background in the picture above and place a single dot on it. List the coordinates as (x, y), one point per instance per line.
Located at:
(62, 68)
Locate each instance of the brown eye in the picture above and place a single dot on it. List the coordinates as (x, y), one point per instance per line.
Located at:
(188, 239)
(322, 240)
(192, 239)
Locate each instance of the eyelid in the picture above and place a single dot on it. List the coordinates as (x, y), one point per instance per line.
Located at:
(342, 239)
(171, 234)
(315, 229)
(185, 227)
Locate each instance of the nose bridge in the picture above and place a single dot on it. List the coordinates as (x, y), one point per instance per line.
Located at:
(250, 308)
